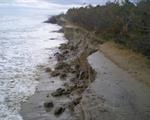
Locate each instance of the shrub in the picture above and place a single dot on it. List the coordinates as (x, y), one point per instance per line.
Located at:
(126, 23)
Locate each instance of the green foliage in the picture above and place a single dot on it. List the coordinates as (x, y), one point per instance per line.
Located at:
(126, 23)
(55, 19)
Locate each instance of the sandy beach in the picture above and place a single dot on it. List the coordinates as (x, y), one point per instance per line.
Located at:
(85, 81)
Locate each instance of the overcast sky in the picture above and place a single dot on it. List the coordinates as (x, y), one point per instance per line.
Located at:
(79, 1)
(61, 1)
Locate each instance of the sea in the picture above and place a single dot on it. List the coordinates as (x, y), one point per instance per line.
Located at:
(25, 43)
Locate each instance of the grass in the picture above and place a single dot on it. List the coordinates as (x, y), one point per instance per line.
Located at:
(134, 63)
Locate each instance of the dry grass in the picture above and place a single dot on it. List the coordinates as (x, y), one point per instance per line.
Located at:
(134, 63)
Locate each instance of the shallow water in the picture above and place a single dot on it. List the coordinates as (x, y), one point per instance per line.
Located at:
(24, 44)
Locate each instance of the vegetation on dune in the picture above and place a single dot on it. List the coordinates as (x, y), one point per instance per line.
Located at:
(55, 19)
(126, 23)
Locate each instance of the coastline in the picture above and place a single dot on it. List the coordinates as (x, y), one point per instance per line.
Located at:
(70, 76)
(73, 84)
(26, 47)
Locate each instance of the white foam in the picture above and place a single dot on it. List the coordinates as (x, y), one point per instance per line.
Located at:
(20, 52)
(12, 92)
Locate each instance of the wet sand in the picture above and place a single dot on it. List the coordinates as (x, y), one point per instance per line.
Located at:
(60, 88)
(34, 109)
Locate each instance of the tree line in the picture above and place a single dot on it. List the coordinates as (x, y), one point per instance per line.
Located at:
(126, 23)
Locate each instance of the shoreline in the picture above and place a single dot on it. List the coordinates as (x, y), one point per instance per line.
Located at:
(25, 50)
(72, 79)
(72, 71)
